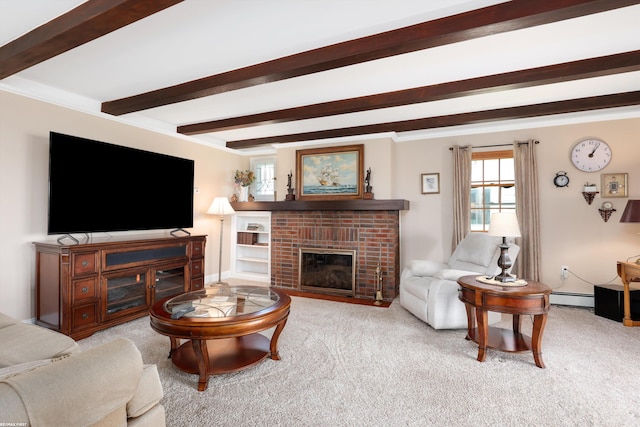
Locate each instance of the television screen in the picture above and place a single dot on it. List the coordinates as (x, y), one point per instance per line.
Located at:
(98, 187)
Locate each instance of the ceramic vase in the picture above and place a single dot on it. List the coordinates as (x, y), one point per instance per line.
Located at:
(244, 194)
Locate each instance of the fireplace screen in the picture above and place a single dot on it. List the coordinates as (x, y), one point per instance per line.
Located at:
(327, 270)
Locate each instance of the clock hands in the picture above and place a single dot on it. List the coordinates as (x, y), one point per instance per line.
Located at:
(594, 149)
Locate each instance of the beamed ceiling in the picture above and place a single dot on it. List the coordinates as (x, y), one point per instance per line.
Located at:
(252, 74)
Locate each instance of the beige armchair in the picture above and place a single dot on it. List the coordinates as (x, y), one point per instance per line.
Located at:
(429, 290)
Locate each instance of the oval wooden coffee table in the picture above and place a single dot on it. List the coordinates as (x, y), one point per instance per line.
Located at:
(222, 325)
(532, 299)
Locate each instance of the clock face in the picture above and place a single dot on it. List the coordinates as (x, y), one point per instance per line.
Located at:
(561, 179)
(591, 155)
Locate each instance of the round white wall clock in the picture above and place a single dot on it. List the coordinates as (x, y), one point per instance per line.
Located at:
(591, 155)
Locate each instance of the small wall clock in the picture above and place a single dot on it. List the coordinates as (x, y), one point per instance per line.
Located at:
(561, 179)
(591, 155)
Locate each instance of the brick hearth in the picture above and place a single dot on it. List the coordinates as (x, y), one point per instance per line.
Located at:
(375, 235)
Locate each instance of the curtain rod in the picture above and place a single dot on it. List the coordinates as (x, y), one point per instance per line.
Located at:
(498, 145)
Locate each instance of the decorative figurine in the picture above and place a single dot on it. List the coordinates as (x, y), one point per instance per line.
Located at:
(290, 195)
(367, 189)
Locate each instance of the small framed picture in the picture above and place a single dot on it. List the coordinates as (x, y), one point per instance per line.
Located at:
(614, 185)
(430, 183)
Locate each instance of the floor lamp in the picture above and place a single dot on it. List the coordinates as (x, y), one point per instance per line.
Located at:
(221, 207)
(504, 224)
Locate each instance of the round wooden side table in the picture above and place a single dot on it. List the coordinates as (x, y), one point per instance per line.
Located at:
(531, 299)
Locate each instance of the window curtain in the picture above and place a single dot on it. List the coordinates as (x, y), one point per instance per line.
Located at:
(528, 263)
(461, 192)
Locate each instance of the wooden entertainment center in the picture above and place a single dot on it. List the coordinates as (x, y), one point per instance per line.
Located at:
(86, 287)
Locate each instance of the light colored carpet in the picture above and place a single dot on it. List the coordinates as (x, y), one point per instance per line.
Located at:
(352, 365)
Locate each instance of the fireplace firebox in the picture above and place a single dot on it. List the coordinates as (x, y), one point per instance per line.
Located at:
(330, 271)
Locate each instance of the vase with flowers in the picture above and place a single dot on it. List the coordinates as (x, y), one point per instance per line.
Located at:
(244, 179)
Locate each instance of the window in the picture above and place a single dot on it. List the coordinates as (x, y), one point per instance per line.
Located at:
(492, 186)
(264, 168)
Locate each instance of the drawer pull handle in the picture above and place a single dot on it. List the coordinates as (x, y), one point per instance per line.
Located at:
(85, 316)
(85, 290)
(85, 263)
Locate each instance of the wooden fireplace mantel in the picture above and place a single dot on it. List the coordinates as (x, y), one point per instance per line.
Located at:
(325, 205)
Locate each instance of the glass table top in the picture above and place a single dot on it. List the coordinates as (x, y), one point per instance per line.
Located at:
(221, 301)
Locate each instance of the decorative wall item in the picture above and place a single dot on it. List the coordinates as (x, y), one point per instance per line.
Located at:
(430, 183)
(561, 179)
(330, 173)
(605, 213)
(589, 195)
(614, 185)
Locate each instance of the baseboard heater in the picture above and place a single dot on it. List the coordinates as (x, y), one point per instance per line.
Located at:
(573, 299)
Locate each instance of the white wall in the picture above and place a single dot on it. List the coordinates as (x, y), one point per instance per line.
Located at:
(24, 152)
(573, 233)
(378, 155)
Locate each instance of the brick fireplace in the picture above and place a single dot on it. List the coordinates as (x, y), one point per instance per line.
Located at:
(369, 227)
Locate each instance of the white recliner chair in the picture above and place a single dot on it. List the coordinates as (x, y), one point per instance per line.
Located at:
(429, 290)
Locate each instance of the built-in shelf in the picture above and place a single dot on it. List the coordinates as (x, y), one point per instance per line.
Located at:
(324, 205)
(251, 245)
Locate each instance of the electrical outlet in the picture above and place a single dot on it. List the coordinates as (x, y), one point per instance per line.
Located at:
(564, 272)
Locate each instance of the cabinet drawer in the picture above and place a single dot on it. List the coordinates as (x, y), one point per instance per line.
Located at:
(197, 269)
(197, 283)
(86, 315)
(84, 289)
(84, 264)
(197, 249)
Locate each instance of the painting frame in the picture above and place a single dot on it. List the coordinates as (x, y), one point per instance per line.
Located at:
(430, 183)
(614, 185)
(330, 173)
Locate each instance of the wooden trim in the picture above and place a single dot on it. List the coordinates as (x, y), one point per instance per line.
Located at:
(335, 298)
(499, 154)
(587, 68)
(519, 112)
(324, 205)
(496, 19)
(89, 21)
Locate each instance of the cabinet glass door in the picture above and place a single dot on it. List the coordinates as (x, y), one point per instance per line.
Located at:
(126, 292)
(169, 282)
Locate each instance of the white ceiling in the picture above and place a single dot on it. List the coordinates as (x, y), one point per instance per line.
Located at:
(199, 38)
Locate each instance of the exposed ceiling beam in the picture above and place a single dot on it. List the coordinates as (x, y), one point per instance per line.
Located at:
(87, 22)
(509, 16)
(509, 113)
(594, 67)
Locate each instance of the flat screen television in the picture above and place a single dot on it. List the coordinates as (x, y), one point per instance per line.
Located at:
(100, 187)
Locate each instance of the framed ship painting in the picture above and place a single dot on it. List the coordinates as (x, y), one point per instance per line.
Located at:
(330, 173)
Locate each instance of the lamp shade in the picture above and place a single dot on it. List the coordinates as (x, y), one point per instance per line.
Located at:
(220, 206)
(504, 224)
(631, 212)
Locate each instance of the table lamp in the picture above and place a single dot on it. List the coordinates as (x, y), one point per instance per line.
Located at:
(221, 207)
(504, 224)
(631, 214)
